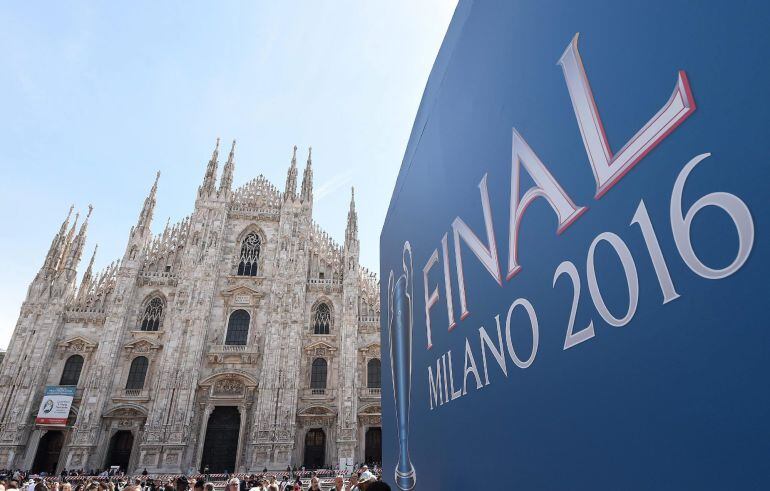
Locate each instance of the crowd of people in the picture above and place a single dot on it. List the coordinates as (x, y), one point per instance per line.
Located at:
(362, 479)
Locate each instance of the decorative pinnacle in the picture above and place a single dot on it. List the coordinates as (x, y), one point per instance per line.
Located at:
(293, 158)
(66, 222)
(232, 152)
(93, 256)
(351, 231)
(154, 188)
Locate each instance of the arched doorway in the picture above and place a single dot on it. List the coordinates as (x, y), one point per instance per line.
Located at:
(373, 446)
(119, 452)
(221, 444)
(315, 449)
(48, 451)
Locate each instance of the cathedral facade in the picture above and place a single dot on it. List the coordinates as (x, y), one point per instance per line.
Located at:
(240, 338)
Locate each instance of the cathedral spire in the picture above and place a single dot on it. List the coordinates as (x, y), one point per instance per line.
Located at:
(351, 231)
(66, 222)
(227, 174)
(210, 179)
(54, 252)
(291, 177)
(85, 283)
(307, 179)
(76, 250)
(140, 233)
(145, 216)
(166, 230)
(89, 270)
(67, 245)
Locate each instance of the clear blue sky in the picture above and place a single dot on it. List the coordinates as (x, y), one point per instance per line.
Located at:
(98, 96)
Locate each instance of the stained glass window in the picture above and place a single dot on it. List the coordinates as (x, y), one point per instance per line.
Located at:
(249, 259)
(322, 319)
(152, 315)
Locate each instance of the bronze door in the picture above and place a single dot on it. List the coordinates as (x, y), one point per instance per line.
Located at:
(315, 449)
(373, 446)
(119, 452)
(220, 447)
(48, 451)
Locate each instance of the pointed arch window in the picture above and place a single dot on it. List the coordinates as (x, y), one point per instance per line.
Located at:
(322, 319)
(152, 315)
(137, 373)
(374, 373)
(238, 328)
(318, 374)
(250, 249)
(72, 368)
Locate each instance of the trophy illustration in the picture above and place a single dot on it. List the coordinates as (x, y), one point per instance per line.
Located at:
(400, 291)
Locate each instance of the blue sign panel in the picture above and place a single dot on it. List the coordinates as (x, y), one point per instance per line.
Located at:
(575, 258)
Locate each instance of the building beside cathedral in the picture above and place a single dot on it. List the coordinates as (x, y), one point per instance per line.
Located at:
(241, 337)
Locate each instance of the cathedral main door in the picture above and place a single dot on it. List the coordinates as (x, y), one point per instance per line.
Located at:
(48, 451)
(220, 447)
(119, 453)
(315, 449)
(373, 446)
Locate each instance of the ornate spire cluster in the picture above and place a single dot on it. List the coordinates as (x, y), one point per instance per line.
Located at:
(257, 194)
(93, 292)
(75, 251)
(370, 290)
(306, 191)
(67, 246)
(323, 243)
(59, 268)
(225, 185)
(163, 249)
(58, 245)
(162, 253)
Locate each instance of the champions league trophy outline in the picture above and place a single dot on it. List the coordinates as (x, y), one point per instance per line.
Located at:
(400, 295)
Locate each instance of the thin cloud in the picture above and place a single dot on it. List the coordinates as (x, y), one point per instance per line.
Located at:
(335, 183)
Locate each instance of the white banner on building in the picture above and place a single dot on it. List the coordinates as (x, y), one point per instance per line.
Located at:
(55, 406)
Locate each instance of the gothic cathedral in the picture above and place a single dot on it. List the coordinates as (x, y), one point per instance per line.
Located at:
(241, 337)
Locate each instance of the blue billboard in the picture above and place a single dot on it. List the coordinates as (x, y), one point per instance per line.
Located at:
(575, 256)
